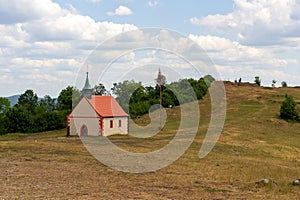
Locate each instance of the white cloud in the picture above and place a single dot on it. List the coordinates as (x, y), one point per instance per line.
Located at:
(73, 27)
(256, 22)
(212, 43)
(234, 60)
(72, 9)
(153, 4)
(224, 51)
(28, 10)
(259, 37)
(40, 42)
(51, 43)
(121, 11)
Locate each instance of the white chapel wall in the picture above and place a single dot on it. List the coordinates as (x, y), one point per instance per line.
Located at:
(116, 129)
(84, 114)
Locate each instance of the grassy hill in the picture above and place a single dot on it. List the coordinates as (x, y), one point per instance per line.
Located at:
(254, 144)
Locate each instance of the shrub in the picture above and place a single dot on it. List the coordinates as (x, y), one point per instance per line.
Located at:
(288, 110)
(257, 80)
(284, 84)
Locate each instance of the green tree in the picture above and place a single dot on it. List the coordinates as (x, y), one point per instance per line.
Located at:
(257, 80)
(184, 90)
(240, 81)
(208, 79)
(123, 91)
(2, 125)
(100, 89)
(284, 84)
(137, 109)
(137, 100)
(68, 97)
(169, 97)
(288, 110)
(152, 92)
(18, 119)
(49, 103)
(200, 87)
(4, 104)
(39, 120)
(31, 115)
(28, 100)
(273, 83)
(56, 119)
(139, 95)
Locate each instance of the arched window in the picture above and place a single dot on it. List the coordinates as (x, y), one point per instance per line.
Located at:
(84, 130)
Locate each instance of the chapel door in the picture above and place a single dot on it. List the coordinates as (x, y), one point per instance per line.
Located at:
(84, 131)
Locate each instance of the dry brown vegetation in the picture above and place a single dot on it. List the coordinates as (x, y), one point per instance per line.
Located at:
(254, 144)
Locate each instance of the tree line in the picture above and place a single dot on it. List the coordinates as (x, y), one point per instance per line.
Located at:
(32, 114)
(172, 94)
(257, 81)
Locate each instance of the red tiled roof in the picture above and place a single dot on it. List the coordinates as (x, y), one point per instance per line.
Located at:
(107, 106)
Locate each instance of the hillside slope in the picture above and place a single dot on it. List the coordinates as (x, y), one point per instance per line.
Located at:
(253, 119)
(254, 144)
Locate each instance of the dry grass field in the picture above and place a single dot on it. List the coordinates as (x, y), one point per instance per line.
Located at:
(254, 144)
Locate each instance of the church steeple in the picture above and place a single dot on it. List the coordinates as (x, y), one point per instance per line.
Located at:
(87, 85)
(87, 89)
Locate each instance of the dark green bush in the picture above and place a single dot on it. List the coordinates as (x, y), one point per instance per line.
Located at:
(288, 110)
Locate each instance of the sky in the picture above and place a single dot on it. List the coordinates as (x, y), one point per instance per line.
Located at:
(45, 44)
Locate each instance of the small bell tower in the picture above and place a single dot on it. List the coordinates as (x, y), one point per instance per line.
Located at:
(87, 89)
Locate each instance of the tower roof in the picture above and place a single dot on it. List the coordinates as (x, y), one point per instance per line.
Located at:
(87, 85)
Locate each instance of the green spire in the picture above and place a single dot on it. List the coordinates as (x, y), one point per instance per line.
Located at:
(87, 85)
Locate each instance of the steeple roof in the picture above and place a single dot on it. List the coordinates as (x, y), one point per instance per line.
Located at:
(87, 85)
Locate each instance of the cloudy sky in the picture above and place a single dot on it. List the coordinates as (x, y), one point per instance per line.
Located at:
(45, 43)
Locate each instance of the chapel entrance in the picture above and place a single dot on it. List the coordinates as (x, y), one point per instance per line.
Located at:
(83, 131)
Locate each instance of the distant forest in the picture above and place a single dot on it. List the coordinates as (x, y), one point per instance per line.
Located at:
(32, 114)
